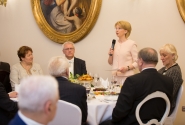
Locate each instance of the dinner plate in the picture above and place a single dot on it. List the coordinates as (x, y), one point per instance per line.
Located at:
(111, 97)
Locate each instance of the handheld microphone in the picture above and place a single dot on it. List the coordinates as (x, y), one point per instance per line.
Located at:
(113, 43)
(112, 46)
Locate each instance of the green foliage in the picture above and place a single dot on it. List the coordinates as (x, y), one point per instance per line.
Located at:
(74, 78)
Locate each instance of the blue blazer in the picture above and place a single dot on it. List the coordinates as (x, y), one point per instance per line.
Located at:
(17, 121)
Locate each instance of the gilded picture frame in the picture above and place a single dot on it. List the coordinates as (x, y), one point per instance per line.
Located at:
(66, 20)
(181, 8)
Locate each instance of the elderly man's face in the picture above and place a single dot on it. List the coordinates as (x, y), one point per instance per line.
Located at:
(69, 51)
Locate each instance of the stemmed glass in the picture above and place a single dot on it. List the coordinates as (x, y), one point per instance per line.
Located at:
(88, 88)
(115, 84)
(96, 79)
(89, 73)
(114, 80)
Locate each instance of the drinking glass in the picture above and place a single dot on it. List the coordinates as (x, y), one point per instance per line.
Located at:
(96, 79)
(89, 73)
(113, 80)
(88, 88)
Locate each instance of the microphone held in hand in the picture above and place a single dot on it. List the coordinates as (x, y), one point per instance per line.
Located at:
(113, 43)
(112, 46)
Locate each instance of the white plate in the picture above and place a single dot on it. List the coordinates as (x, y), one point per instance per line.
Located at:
(111, 97)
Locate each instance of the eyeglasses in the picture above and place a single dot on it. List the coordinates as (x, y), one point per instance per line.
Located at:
(67, 49)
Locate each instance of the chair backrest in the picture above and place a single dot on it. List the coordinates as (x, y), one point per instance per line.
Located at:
(170, 119)
(67, 114)
(154, 121)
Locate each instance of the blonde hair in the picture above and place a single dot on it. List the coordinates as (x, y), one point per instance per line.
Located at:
(126, 26)
(169, 48)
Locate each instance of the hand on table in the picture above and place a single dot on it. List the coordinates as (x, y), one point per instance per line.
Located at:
(13, 94)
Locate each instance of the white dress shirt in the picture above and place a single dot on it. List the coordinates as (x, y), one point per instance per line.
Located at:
(71, 66)
(27, 120)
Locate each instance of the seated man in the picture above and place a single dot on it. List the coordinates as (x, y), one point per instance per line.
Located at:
(77, 66)
(137, 87)
(70, 92)
(38, 98)
(4, 76)
(8, 108)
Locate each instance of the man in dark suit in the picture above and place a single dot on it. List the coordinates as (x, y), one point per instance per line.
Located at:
(38, 98)
(137, 87)
(70, 92)
(4, 76)
(77, 66)
(8, 108)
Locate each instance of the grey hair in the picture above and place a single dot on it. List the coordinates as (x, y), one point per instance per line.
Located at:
(169, 48)
(68, 42)
(57, 66)
(35, 91)
(148, 55)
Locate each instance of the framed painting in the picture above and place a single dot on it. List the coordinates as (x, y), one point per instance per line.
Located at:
(181, 8)
(66, 20)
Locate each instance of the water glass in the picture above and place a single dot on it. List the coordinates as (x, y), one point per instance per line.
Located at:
(96, 79)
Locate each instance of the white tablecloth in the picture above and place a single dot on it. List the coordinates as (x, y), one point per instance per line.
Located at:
(99, 111)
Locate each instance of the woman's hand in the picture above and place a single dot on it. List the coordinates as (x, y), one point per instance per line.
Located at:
(110, 59)
(111, 51)
(123, 69)
(13, 94)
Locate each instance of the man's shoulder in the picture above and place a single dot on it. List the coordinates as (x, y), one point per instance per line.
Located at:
(78, 59)
(4, 63)
(70, 84)
(17, 121)
(5, 66)
(77, 86)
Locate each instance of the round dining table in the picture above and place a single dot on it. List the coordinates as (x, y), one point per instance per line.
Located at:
(99, 109)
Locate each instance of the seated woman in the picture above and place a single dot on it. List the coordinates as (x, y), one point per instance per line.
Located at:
(25, 67)
(169, 57)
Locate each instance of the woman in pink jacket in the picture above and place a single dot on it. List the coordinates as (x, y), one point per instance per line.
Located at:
(123, 56)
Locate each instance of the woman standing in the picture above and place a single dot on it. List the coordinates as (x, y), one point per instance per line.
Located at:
(124, 55)
(171, 69)
(25, 67)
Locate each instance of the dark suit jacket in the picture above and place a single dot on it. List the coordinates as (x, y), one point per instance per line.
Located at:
(134, 90)
(73, 93)
(17, 121)
(4, 76)
(8, 108)
(79, 66)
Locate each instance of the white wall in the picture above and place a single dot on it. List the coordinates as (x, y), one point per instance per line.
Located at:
(154, 23)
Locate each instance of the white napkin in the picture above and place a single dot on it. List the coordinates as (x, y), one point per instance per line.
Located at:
(104, 83)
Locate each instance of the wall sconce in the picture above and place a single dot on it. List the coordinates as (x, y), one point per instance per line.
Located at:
(3, 2)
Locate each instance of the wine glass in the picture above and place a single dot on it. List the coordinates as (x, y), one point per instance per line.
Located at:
(88, 88)
(113, 80)
(96, 79)
(89, 73)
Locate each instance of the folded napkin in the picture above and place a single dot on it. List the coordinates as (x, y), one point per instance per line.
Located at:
(104, 83)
